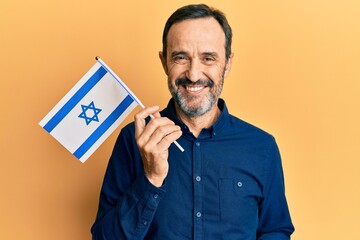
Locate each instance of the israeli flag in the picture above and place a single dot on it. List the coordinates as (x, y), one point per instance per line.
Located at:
(90, 111)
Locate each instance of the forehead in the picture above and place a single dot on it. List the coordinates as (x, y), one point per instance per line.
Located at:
(201, 34)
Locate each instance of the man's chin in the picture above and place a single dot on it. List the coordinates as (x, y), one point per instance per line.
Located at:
(195, 110)
(193, 106)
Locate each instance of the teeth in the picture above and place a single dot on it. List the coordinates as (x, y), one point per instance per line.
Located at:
(194, 88)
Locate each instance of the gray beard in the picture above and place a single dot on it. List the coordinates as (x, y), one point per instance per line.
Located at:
(198, 111)
(205, 106)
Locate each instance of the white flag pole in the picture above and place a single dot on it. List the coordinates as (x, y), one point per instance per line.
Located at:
(131, 93)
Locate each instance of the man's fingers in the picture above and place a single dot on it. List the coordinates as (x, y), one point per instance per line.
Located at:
(169, 139)
(163, 133)
(155, 130)
(162, 138)
(156, 114)
(153, 140)
(141, 116)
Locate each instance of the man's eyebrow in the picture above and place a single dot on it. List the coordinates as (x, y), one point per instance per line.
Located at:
(210, 54)
(207, 54)
(177, 53)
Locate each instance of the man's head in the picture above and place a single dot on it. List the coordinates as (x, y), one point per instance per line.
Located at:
(198, 11)
(196, 57)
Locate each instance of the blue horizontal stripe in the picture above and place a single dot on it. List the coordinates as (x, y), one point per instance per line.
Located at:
(90, 141)
(75, 99)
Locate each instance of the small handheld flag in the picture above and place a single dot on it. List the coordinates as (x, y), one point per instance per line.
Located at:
(91, 111)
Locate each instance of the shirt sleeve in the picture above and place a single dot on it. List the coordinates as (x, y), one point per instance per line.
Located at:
(128, 201)
(274, 217)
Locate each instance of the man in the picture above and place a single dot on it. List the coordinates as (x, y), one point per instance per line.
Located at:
(227, 184)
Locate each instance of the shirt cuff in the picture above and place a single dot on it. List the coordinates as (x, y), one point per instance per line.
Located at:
(150, 197)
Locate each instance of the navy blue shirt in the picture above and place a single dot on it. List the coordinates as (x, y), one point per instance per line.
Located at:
(227, 184)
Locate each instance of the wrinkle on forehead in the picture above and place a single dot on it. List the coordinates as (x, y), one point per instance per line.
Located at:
(197, 36)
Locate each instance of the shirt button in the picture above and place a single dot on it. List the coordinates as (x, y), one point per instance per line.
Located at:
(214, 133)
(198, 214)
(197, 144)
(239, 184)
(156, 196)
(198, 178)
(145, 223)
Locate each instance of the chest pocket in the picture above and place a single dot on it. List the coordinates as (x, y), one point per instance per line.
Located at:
(239, 200)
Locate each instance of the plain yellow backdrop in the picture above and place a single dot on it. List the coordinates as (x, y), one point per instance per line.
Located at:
(295, 74)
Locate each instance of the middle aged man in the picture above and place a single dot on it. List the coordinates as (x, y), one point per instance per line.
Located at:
(228, 184)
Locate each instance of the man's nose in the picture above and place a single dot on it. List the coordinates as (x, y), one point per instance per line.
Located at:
(194, 70)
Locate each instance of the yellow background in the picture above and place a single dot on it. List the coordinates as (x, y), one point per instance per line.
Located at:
(295, 74)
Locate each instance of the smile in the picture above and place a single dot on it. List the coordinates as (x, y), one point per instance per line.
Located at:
(194, 89)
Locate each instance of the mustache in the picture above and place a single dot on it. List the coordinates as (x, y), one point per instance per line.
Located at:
(187, 82)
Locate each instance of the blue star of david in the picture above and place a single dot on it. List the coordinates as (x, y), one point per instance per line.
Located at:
(94, 117)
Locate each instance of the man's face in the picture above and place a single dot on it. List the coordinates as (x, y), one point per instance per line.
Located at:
(195, 64)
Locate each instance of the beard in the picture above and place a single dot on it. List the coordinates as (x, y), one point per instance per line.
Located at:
(195, 106)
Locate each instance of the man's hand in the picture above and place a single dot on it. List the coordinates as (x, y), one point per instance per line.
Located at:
(154, 140)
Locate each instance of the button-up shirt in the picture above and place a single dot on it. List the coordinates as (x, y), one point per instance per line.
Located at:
(227, 184)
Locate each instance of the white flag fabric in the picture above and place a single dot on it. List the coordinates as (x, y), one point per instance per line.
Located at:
(90, 112)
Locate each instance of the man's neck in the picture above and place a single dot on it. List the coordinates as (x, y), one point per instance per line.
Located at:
(196, 124)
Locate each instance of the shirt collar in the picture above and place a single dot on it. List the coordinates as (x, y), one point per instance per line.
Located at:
(211, 132)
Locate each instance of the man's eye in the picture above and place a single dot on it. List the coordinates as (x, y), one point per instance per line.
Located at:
(180, 59)
(209, 60)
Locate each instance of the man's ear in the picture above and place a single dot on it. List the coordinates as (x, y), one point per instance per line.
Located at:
(163, 62)
(228, 65)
